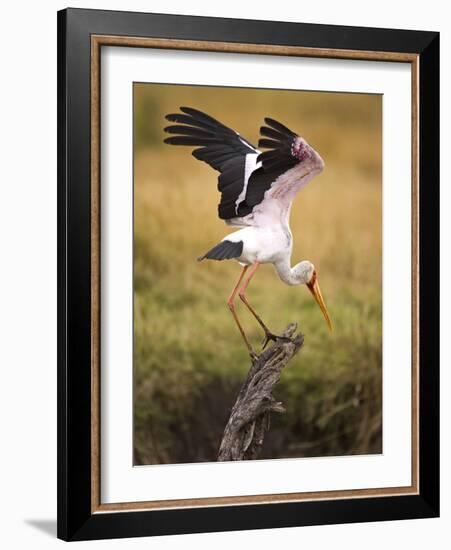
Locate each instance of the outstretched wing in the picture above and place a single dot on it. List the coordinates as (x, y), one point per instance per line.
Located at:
(288, 164)
(275, 162)
(220, 147)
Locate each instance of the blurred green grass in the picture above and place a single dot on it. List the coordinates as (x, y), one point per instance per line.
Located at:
(189, 359)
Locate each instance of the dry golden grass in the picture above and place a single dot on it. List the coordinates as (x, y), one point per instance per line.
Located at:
(189, 357)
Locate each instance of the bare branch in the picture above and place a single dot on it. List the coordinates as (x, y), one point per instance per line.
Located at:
(249, 420)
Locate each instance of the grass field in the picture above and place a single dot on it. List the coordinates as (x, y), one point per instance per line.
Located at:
(189, 358)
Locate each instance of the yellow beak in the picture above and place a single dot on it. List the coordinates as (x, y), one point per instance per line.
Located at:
(313, 286)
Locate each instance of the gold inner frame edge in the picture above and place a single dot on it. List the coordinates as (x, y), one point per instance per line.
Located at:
(97, 41)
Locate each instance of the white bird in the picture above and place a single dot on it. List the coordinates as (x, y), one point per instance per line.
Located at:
(257, 190)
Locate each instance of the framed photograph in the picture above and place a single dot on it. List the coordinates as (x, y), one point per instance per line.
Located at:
(248, 274)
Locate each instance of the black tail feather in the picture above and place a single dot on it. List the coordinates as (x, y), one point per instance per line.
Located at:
(225, 250)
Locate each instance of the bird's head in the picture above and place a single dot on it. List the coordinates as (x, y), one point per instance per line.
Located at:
(306, 273)
(308, 158)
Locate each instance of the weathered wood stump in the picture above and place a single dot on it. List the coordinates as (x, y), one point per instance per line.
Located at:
(249, 419)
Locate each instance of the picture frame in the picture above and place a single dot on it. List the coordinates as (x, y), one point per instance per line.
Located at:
(81, 36)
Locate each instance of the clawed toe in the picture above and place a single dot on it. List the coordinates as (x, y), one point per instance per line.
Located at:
(266, 339)
(254, 356)
(274, 337)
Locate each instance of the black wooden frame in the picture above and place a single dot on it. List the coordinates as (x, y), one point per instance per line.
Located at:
(75, 520)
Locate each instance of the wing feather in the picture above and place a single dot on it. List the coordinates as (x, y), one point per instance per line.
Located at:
(277, 160)
(246, 174)
(220, 147)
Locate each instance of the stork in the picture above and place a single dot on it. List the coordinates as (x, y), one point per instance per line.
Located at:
(257, 190)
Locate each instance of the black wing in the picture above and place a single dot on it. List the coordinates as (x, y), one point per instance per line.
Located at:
(279, 140)
(220, 147)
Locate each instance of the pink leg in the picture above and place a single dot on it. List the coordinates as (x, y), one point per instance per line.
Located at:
(230, 303)
(242, 295)
(268, 334)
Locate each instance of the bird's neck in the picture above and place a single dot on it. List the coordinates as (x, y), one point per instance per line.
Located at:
(286, 272)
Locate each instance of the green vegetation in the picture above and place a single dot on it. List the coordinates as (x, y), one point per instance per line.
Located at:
(189, 358)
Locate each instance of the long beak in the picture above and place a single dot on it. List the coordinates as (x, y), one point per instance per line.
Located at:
(313, 286)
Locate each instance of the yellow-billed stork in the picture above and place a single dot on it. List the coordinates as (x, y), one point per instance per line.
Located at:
(257, 190)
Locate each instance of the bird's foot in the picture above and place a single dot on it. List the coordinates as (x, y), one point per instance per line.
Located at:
(254, 356)
(274, 337)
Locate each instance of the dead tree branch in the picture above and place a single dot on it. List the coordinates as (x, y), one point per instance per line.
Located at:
(249, 420)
